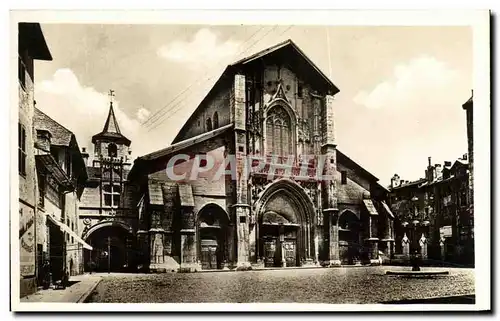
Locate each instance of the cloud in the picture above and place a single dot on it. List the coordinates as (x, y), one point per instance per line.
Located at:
(142, 114)
(83, 110)
(202, 49)
(412, 83)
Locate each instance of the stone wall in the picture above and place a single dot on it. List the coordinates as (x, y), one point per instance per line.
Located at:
(198, 123)
(27, 192)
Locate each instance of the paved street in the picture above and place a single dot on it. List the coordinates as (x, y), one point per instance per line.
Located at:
(335, 285)
(81, 287)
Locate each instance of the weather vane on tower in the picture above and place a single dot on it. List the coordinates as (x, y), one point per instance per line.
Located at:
(111, 95)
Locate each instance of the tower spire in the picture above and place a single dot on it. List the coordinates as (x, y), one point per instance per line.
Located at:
(111, 125)
(111, 131)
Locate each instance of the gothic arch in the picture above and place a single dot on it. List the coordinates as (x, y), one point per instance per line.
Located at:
(114, 247)
(349, 228)
(95, 227)
(299, 212)
(348, 211)
(212, 204)
(212, 228)
(275, 106)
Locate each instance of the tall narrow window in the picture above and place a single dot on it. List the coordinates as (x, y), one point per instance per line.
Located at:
(112, 150)
(278, 132)
(343, 177)
(41, 191)
(22, 149)
(21, 72)
(209, 124)
(300, 91)
(216, 120)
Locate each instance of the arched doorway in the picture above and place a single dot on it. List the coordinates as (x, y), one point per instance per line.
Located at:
(113, 250)
(349, 233)
(212, 235)
(284, 231)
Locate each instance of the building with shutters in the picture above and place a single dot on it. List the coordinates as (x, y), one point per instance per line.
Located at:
(433, 216)
(31, 47)
(255, 179)
(61, 176)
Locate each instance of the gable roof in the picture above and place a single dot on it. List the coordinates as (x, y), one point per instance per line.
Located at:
(111, 130)
(185, 143)
(30, 37)
(347, 161)
(283, 50)
(61, 136)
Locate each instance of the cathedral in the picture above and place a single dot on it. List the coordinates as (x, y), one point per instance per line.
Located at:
(288, 197)
(274, 113)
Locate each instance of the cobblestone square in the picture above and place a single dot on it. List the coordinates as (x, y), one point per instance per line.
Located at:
(365, 285)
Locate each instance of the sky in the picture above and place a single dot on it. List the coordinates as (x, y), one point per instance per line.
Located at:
(400, 99)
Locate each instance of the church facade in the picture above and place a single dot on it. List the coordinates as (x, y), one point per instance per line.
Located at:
(255, 179)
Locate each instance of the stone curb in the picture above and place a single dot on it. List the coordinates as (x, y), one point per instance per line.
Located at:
(87, 293)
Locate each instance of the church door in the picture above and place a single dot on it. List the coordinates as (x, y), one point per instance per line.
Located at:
(290, 250)
(270, 252)
(209, 254)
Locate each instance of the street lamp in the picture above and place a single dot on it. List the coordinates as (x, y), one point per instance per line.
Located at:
(416, 228)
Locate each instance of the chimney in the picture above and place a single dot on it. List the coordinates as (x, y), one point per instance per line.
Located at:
(447, 163)
(395, 181)
(85, 156)
(464, 157)
(429, 173)
(439, 171)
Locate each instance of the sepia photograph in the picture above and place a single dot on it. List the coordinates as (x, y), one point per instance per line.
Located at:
(181, 159)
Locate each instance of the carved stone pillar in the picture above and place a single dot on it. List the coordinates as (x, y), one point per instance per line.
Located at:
(371, 242)
(189, 261)
(242, 236)
(328, 164)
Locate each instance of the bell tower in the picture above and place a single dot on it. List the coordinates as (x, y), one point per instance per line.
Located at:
(110, 144)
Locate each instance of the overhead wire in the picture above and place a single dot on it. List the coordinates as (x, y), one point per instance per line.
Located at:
(241, 53)
(152, 120)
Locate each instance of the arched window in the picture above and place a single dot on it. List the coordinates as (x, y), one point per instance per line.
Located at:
(209, 124)
(112, 150)
(278, 132)
(216, 120)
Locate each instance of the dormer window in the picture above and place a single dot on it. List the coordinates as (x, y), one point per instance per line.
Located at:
(112, 150)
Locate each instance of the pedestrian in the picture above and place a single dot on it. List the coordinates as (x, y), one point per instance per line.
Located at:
(46, 274)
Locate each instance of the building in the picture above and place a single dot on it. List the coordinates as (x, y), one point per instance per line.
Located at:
(31, 47)
(432, 214)
(61, 175)
(107, 214)
(275, 202)
(435, 215)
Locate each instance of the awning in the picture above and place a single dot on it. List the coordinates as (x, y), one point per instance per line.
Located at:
(56, 171)
(67, 229)
(370, 207)
(387, 209)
